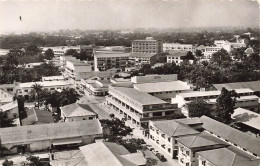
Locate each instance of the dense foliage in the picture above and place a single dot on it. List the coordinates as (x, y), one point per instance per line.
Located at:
(198, 108)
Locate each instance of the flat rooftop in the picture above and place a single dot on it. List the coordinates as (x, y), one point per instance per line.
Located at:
(141, 97)
(45, 84)
(110, 55)
(162, 86)
(142, 55)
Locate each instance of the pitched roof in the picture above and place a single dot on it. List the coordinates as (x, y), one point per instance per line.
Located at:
(9, 106)
(173, 128)
(227, 157)
(37, 116)
(189, 121)
(107, 153)
(247, 117)
(141, 97)
(201, 140)
(235, 136)
(50, 131)
(249, 50)
(142, 55)
(162, 86)
(254, 85)
(76, 110)
(68, 158)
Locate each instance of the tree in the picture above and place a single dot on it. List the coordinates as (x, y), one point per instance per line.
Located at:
(133, 144)
(177, 115)
(198, 108)
(33, 161)
(116, 129)
(35, 92)
(225, 104)
(150, 161)
(68, 96)
(71, 52)
(5, 121)
(220, 57)
(7, 163)
(49, 54)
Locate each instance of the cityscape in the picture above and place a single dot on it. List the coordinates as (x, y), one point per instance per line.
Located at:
(130, 83)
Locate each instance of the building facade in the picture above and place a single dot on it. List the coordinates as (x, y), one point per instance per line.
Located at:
(149, 45)
(141, 59)
(167, 47)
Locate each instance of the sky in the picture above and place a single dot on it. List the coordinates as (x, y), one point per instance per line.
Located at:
(44, 15)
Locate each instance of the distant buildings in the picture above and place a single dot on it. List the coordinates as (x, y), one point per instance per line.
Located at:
(149, 45)
(77, 112)
(105, 61)
(138, 107)
(167, 47)
(175, 56)
(141, 59)
(44, 136)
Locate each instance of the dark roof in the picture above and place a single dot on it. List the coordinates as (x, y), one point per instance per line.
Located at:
(192, 121)
(51, 131)
(227, 157)
(254, 85)
(173, 128)
(235, 136)
(142, 55)
(37, 116)
(201, 140)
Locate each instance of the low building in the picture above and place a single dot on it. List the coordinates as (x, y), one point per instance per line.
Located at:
(246, 100)
(164, 90)
(10, 109)
(97, 86)
(189, 147)
(249, 51)
(247, 121)
(141, 59)
(32, 65)
(167, 47)
(99, 154)
(44, 136)
(235, 138)
(105, 61)
(5, 97)
(226, 157)
(53, 78)
(62, 50)
(77, 112)
(23, 89)
(154, 78)
(149, 45)
(8, 88)
(175, 57)
(165, 132)
(36, 116)
(138, 107)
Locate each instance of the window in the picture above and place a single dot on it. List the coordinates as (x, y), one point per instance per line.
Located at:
(188, 153)
(84, 118)
(187, 164)
(169, 150)
(203, 163)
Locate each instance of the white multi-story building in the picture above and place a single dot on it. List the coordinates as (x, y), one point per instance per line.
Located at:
(167, 47)
(138, 107)
(61, 50)
(108, 60)
(246, 100)
(75, 69)
(97, 86)
(149, 45)
(175, 56)
(165, 132)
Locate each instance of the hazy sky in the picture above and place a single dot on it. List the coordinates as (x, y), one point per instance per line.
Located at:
(121, 14)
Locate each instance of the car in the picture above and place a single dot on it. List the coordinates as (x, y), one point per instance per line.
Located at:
(161, 157)
(149, 147)
(155, 152)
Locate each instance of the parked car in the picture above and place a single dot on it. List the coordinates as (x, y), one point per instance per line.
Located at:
(161, 157)
(155, 152)
(149, 147)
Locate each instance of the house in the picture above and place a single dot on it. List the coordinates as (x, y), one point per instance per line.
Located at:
(11, 109)
(138, 107)
(53, 135)
(36, 116)
(233, 137)
(247, 120)
(190, 145)
(99, 154)
(23, 89)
(5, 97)
(165, 132)
(225, 157)
(77, 112)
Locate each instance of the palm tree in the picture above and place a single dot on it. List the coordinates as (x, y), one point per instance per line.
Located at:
(35, 92)
(68, 96)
